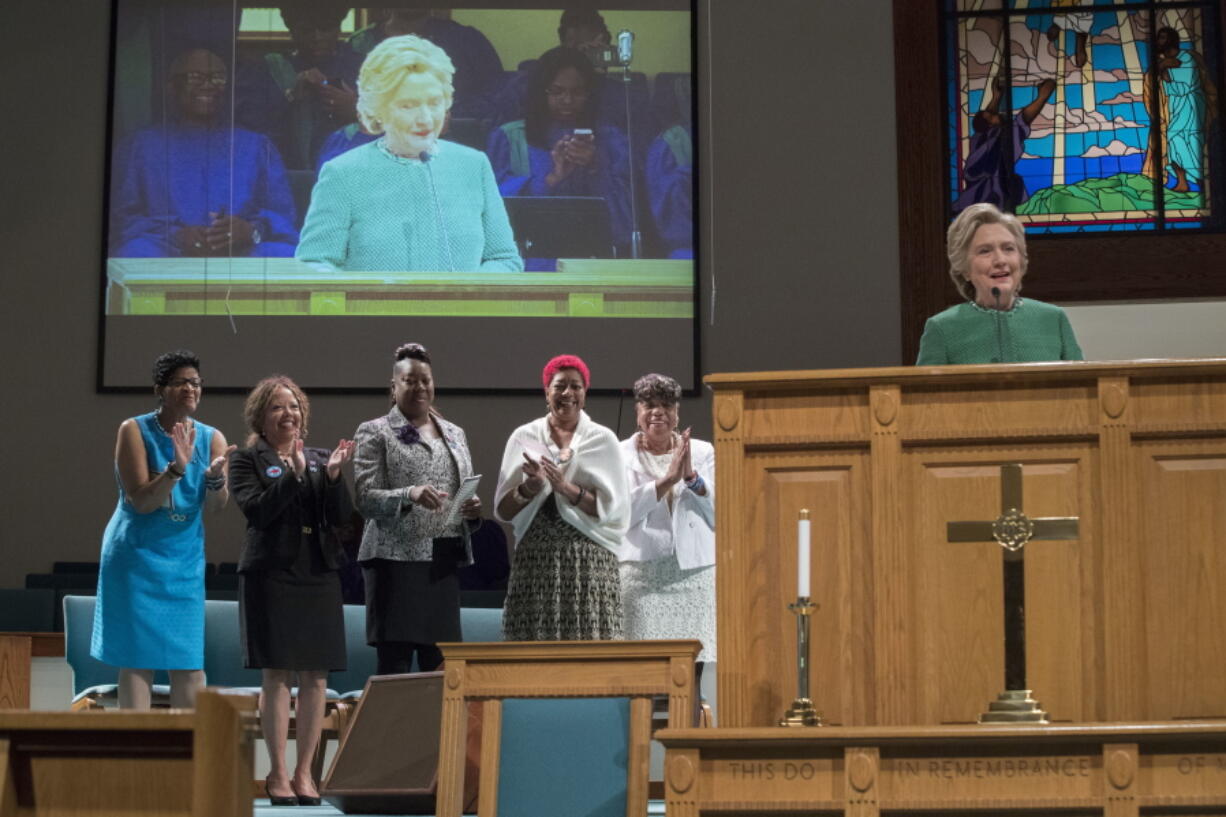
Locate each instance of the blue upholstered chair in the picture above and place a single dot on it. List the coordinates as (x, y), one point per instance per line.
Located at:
(223, 649)
(94, 684)
(571, 753)
(362, 663)
(476, 624)
(481, 624)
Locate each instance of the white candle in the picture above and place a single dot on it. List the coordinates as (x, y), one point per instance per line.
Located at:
(802, 555)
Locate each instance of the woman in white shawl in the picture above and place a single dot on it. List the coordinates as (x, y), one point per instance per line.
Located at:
(563, 489)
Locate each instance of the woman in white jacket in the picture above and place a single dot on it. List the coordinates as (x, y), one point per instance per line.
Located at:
(668, 555)
(562, 486)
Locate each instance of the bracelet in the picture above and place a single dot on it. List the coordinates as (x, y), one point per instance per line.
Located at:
(174, 471)
(579, 498)
(696, 483)
(215, 483)
(524, 495)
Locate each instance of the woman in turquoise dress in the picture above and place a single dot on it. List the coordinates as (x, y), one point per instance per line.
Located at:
(408, 200)
(987, 261)
(150, 607)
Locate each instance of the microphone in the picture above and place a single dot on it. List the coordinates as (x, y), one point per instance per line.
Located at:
(425, 158)
(625, 52)
(1000, 343)
(625, 46)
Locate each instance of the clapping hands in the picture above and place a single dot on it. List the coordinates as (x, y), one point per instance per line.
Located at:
(183, 437)
(681, 469)
(340, 455)
(552, 473)
(534, 474)
(218, 466)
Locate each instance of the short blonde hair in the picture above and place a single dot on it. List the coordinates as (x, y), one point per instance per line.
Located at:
(257, 406)
(962, 232)
(389, 64)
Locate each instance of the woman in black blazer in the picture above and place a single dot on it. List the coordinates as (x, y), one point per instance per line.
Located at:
(289, 590)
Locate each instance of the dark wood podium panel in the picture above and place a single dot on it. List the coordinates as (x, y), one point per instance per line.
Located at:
(1122, 622)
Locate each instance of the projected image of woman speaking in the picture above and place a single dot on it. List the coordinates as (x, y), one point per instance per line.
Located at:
(408, 201)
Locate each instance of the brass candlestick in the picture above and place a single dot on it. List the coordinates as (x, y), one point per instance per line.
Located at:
(802, 712)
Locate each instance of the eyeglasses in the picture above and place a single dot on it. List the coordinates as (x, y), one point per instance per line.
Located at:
(202, 78)
(180, 382)
(574, 94)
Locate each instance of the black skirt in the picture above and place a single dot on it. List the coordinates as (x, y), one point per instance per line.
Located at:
(417, 602)
(292, 620)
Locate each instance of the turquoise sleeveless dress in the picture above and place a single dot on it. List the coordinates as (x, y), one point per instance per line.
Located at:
(150, 608)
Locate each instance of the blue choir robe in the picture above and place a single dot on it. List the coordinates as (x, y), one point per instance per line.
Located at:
(299, 127)
(342, 140)
(176, 176)
(670, 189)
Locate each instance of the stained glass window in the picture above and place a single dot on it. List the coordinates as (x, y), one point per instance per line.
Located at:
(1086, 115)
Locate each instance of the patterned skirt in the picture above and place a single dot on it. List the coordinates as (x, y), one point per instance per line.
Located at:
(662, 601)
(563, 586)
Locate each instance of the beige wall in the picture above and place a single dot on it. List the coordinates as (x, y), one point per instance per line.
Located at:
(1129, 330)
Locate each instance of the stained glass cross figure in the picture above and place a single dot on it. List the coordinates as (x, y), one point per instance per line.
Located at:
(1012, 530)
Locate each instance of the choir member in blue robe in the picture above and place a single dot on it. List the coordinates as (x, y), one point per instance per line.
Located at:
(584, 29)
(301, 96)
(195, 187)
(478, 68)
(542, 155)
(670, 189)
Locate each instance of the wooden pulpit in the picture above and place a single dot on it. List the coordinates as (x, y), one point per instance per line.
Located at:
(1123, 622)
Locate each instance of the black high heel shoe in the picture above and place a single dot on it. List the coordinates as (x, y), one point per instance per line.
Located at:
(303, 800)
(278, 800)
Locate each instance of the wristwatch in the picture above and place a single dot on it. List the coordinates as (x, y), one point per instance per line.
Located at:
(256, 236)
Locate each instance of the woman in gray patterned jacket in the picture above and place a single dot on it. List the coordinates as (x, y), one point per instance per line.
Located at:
(408, 465)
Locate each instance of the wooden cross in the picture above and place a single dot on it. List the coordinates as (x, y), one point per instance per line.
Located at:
(1012, 530)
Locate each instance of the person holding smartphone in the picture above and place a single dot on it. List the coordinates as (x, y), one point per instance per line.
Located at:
(307, 92)
(558, 148)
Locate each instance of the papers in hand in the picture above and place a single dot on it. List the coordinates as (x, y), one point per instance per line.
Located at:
(536, 450)
(467, 490)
